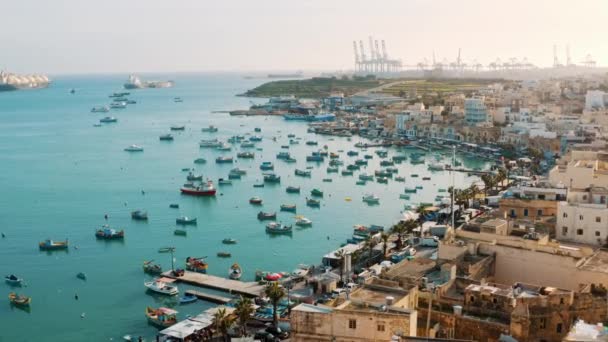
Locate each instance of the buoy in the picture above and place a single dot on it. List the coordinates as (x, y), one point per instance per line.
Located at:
(82, 315)
(348, 199)
(76, 296)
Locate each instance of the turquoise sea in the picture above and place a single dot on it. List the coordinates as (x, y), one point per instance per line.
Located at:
(59, 175)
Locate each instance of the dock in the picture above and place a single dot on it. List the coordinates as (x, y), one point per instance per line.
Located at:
(249, 289)
(209, 297)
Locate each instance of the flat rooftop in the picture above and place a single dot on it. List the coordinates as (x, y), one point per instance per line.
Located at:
(597, 262)
(375, 295)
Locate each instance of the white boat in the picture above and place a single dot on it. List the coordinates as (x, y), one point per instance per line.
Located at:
(100, 109)
(235, 272)
(436, 167)
(134, 148)
(238, 171)
(209, 143)
(371, 198)
(108, 119)
(119, 105)
(161, 287)
(302, 221)
(224, 147)
(210, 129)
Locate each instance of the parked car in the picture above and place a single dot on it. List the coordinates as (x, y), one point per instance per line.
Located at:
(277, 332)
(337, 292)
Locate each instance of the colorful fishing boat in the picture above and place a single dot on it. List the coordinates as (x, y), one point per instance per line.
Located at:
(293, 189)
(302, 221)
(272, 178)
(196, 265)
(19, 300)
(224, 160)
(278, 228)
(205, 189)
(266, 166)
(161, 317)
(50, 245)
(185, 220)
(316, 192)
(311, 202)
(245, 155)
(255, 200)
(187, 299)
(302, 173)
(107, 233)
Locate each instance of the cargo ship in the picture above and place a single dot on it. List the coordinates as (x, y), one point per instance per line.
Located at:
(10, 81)
(135, 82)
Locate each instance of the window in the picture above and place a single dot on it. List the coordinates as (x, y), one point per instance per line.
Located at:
(494, 300)
(584, 197)
(580, 217)
(597, 233)
(598, 219)
(579, 232)
(352, 323)
(539, 212)
(541, 197)
(525, 212)
(543, 323)
(561, 300)
(380, 326)
(472, 299)
(565, 215)
(603, 199)
(558, 329)
(512, 212)
(564, 230)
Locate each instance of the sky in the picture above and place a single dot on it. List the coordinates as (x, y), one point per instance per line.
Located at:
(103, 36)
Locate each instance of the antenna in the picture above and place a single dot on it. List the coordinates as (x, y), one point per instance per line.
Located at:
(555, 60)
(362, 51)
(568, 59)
(357, 60)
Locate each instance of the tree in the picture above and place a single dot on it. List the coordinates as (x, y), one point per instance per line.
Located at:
(399, 229)
(384, 238)
(222, 321)
(370, 243)
(244, 311)
(341, 254)
(488, 183)
(274, 292)
(500, 177)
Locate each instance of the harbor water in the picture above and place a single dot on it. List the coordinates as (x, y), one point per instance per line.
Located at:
(59, 176)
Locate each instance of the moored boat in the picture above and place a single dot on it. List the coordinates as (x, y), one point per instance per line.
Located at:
(266, 216)
(209, 129)
(224, 160)
(187, 299)
(178, 128)
(180, 232)
(288, 207)
(223, 181)
(134, 148)
(81, 275)
(200, 161)
(235, 272)
(161, 317)
(49, 245)
(302, 221)
(272, 178)
(19, 300)
(255, 200)
(196, 265)
(108, 119)
(293, 190)
(13, 280)
(245, 155)
(278, 228)
(185, 220)
(266, 166)
(107, 233)
(140, 215)
(224, 254)
(316, 192)
(205, 189)
(159, 286)
(166, 137)
(152, 268)
(311, 202)
(371, 199)
(302, 173)
(229, 241)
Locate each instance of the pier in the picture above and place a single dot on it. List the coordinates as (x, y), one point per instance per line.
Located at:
(249, 289)
(209, 297)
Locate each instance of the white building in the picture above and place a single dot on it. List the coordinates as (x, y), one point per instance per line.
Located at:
(584, 217)
(595, 99)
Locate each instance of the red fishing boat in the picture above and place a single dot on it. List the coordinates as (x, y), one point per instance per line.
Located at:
(205, 189)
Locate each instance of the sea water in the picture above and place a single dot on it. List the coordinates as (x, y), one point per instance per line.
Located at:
(59, 176)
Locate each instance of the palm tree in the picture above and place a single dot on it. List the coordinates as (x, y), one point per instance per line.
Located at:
(500, 177)
(274, 292)
(399, 229)
(341, 254)
(243, 311)
(370, 243)
(222, 322)
(384, 238)
(488, 183)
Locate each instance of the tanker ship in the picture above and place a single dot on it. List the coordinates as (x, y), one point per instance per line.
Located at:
(135, 83)
(10, 81)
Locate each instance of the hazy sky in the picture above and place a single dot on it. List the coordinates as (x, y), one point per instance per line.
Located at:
(75, 36)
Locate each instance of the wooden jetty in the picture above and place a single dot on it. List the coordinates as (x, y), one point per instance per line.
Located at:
(209, 297)
(249, 289)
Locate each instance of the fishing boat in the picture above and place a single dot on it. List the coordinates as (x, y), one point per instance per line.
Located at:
(302, 221)
(327, 180)
(371, 199)
(426, 178)
(245, 155)
(166, 249)
(360, 162)
(196, 265)
(235, 272)
(399, 179)
(200, 161)
(161, 317)
(107, 233)
(223, 181)
(352, 153)
(353, 167)
(414, 175)
(283, 155)
(224, 147)
(368, 156)
(161, 287)
(13, 280)
(209, 143)
(312, 143)
(288, 207)
(100, 109)
(383, 180)
(191, 177)
(166, 137)
(290, 160)
(229, 241)
(224, 254)
(387, 163)
(315, 157)
(259, 185)
(278, 228)
(332, 169)
(224, 160)
(436, 167)
(293, 190)
(272, 178)
(185, 220)
(233, 175)
(19, 300)
(50, 245)
(174, 206)
(404, 196)
(336, 162)
(347, 172)
(209, 129)
(361, 182)
(152, 268)
(382, 173)
(134, 148)
(365, 177)
(311, 202)
(108, 119)
(266, 216)
(266, 166)
(81, 275)
(255, 200)
(316, 192)
(187, 298)
(180, 232)
(247, 144)
(410, 190)
(205, 189)
(139, 215)
(302, 173)
(255, 138)
(239, 171)
(178, 128)
(257, 129)
(333, 155)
